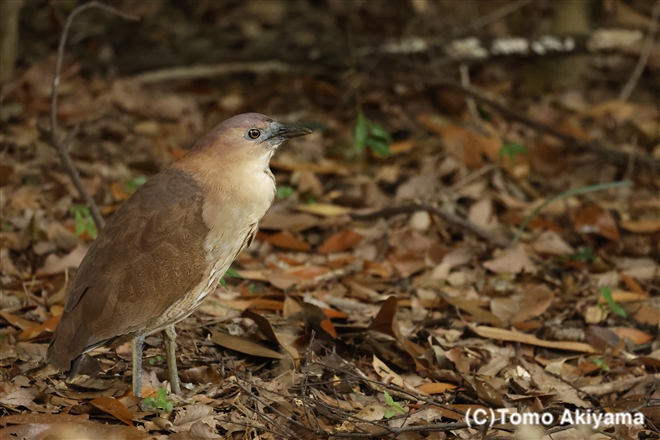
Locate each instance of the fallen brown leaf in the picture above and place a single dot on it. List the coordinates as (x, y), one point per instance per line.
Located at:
(508, 335)
(340, 242)
(113, 407)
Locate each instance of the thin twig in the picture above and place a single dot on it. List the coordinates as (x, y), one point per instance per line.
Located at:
(63, 147)
(643, 56)
(499, 14)
(472, 106)
(450, 218)
(276, 411)
(474, 175)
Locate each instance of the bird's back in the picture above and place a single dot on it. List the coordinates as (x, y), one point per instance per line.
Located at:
(148, 256)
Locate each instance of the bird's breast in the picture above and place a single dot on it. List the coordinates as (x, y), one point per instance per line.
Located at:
(232, 216)
(232, 208)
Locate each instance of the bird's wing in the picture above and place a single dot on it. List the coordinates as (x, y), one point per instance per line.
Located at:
(148, 256)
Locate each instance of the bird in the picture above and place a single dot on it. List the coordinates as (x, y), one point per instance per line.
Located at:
(169, 245)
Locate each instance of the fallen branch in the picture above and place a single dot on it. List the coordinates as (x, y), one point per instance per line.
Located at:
(62, 147)
(209, 71)
(450, 218)
(628, 41)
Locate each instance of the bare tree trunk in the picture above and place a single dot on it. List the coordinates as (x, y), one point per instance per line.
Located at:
(9, 14)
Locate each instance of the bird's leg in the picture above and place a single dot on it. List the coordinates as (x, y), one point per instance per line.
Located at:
(169, 336)
(137, 344)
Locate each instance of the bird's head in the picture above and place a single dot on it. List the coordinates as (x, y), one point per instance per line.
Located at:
(250, 134)
(240, 146)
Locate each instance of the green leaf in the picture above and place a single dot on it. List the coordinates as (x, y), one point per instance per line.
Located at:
(150, 401)
(388, 398)
(377, 131)
(398, 407)
(360, 132)
(91, 228)
(134, 184)
(512, 149)
(230, 273)
(162, 401)
(389, 414)
(233, 273)
(602, 365)
(284, 192)
(162, 395)
(84, 220)
(379, 146)
(584, 254)
(606, 292)
(80, 227)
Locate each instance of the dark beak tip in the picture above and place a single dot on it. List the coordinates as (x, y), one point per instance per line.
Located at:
(297, 131)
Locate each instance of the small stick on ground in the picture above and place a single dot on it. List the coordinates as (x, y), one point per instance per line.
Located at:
(472, 106)
(643, 56)
(62, 147)
(202, 71)
(450, 218)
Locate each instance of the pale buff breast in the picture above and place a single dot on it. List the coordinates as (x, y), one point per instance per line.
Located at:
(232, 211)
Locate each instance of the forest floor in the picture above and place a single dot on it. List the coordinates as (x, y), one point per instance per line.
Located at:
(437, 263)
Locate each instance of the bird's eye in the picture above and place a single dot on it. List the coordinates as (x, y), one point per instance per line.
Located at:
(253, 133)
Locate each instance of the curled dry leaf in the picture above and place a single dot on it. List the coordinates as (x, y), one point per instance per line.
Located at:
(33, 332)
(593, 220)
(17, 321)
(386, 373)
(641, 226)
(508, 335)
(244, 345)
(637, 337)
(340, 242)
(284, 240)
(432, 388)
(65, 426)
(385, 322)
(113, 407)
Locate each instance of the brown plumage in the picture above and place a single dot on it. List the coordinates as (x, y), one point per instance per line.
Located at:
(170, 243)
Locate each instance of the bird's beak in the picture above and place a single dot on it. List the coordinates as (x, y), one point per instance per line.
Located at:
(292, 131)
(281, 132)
